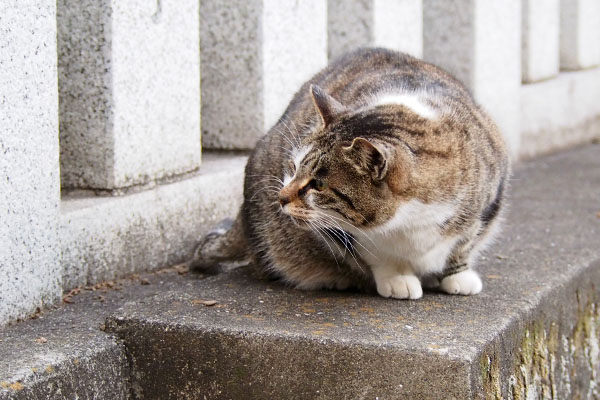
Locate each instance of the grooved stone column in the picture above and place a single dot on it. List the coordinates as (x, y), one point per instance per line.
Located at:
(395, 24)
(540, 39)
(129, 78)
(30, 273)
(255, 56)
(479, 42)
(579, 34)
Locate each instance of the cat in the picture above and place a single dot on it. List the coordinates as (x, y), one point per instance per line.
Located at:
(383, 173)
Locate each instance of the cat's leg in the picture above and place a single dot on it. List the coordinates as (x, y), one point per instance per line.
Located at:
(458, 277)
(399, 283)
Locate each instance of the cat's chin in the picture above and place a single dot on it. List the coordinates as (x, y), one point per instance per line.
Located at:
(300, 222)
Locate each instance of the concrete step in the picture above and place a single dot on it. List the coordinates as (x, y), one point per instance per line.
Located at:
(65, 354)
(532, 333)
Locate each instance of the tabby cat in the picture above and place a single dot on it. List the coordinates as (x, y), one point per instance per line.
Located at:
(382, 173)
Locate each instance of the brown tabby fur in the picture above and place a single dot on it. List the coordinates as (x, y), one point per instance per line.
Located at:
(458, 157)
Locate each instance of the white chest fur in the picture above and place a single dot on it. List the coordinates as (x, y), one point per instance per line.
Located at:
(410, 241)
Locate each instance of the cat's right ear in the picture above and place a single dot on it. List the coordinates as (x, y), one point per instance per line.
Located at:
(328, 107)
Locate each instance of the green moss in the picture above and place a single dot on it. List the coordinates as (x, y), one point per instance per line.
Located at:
(534, 369)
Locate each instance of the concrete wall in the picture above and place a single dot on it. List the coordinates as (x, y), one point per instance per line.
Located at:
(395, 24)
(129, 89)
(30, 274)
(255, 55)
(479, 42)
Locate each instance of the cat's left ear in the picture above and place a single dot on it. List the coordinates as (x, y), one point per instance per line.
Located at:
(368, 156)
(328, 107)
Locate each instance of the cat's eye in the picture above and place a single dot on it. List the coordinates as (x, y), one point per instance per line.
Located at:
(319, 184)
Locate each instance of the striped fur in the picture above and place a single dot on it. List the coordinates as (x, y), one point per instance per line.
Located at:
(382, 171)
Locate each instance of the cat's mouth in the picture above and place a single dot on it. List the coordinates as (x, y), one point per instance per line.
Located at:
(300, 216)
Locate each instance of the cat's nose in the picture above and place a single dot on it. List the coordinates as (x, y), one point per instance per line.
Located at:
(284, 198)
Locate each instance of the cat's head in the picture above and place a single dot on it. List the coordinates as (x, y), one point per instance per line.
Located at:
(344, 173)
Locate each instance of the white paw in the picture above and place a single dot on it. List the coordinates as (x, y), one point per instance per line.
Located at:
(465, 283)
(400, 287)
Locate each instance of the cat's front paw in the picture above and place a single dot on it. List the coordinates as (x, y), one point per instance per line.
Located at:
(465, 283)
(400, 287)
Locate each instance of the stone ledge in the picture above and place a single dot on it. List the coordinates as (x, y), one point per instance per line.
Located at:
(64, 354)
(559, 112)
(532, 332)
(107, 237)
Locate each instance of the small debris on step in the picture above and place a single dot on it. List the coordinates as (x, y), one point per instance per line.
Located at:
(144, 281)
(207, 303)
(182, 269)
(41, 340)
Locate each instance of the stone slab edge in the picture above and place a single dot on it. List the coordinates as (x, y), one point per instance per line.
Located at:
(552, 351)
(541, 338)
(559, 112)
(104, 238)
(97, 370)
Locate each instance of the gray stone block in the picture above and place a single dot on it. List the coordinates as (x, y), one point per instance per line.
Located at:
(540, 39)
(64, 354)
(395, 24)
(579, 33)
(532, 332)
(30, 275)
(479, 42)
(255, 56)
(129, 86)
(560, 112)
(102, 238)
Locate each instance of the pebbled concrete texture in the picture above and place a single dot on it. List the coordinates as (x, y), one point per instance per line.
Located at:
(64, 354)
(560, 112)
(151, 229)
(29, 173)
(532, 332)
(129, 83)
(478, 42)
(255, 55)
(395, 24)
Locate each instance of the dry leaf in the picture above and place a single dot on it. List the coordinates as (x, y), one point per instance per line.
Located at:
(207, 303)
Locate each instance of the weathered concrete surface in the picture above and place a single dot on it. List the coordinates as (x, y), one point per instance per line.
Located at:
(29, 172)
(395, 24)
(255, 55)
(63, 354)
(147, 230)
(479, 42)
(532, 332)
(579, 31)
(559, 112)
(540, 42)
(129, 86)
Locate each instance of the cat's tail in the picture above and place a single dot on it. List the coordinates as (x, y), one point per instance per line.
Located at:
(222, 247)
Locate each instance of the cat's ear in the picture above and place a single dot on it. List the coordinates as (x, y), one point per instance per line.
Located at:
(328, 107)
(368, 156)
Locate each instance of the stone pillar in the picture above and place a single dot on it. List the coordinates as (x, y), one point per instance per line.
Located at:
(30, 273)
(479, 42)
(395, 24)
(255, 56)
(129, 85)
(540, 39)
(579, 34)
